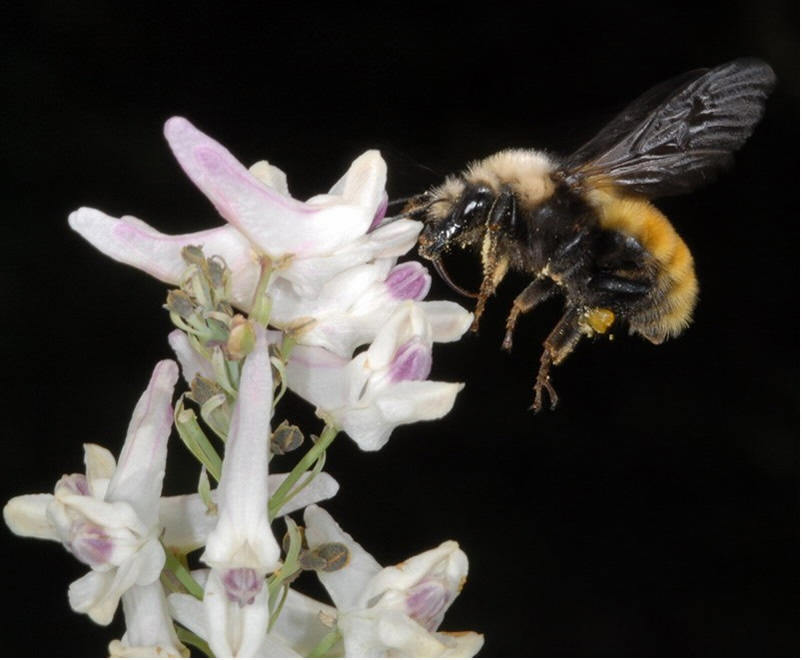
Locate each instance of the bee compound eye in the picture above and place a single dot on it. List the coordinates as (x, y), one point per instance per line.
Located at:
(476, 204)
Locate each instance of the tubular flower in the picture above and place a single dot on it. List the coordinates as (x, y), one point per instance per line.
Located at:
(241, 549)
(108, 518)
(382, 387)
(393, 611)
(308, 242)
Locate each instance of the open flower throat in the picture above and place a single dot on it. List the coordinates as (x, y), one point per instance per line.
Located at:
(287, 295)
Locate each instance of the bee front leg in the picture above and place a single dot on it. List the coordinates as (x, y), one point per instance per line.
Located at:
(558, 346)
(494, 268)
(537, 291)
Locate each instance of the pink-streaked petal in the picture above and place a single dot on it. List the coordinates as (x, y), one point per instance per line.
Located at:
(278, 224)
(135, 243)
(242, 537)
(407, 321)
(346, 585)
(408, 281)
(234, 631)
(412, 361)
(140, 470)
(381, 211)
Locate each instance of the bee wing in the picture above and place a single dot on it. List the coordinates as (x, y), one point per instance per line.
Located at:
(680, 134)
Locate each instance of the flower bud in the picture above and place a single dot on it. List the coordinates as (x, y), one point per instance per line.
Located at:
(241, 338)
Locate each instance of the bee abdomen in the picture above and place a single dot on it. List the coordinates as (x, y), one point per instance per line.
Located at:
(674, 294)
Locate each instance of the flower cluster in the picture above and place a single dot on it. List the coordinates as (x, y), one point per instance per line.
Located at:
(288, 294)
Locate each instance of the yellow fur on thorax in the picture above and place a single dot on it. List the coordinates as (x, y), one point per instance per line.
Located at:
(677, 287)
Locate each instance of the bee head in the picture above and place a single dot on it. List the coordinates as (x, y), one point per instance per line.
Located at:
(453, 216)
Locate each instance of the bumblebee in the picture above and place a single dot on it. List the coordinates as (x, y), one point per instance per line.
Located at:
(584, 227)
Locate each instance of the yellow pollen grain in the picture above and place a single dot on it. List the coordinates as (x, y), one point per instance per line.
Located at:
(600, 319)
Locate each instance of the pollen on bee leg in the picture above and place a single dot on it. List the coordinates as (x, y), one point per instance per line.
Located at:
(599, 319)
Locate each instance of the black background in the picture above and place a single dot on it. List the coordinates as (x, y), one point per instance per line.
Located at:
(653, 513)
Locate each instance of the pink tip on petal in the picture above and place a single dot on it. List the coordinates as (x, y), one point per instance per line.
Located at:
(408, 281)
(412, 361)
(380, 213)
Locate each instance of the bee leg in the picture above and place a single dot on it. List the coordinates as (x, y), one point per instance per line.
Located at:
(494, 268)
(537, 291)
(558, 346)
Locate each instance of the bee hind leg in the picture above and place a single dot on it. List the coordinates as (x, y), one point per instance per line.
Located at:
(558, 346)
(537, 291)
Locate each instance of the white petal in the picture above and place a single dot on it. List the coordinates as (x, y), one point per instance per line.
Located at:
(403, 637)
(192, 364)
(322, 487)
(363, 183)
(271, 176)
(278, 224)
(319, 376)
(345, 586)
(26, 515)
(299, 623)
(148, 623)
(449, 321)
(189, 612)
(243, 537)
(340, 293)
(140, 470)
(310, 273)
(400, 403)
(100, 467)
(133, 242)
(414, 401)
(186, 522)
(93, 594)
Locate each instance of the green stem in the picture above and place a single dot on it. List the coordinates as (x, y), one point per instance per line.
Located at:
(280, 496)
(189, 637)
(182, 574)
(261, 306)
(325, 644)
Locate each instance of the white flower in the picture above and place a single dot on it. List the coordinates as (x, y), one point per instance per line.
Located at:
(108, 518)
(310, 242)
(382, 387)
(241, 549)
(187, 522)
(296, 632)
(393, 611)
